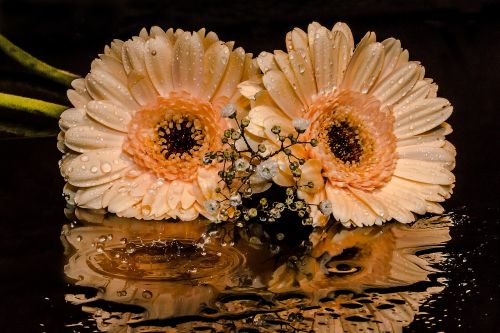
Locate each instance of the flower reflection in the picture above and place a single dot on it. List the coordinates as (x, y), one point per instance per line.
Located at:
(161, 277)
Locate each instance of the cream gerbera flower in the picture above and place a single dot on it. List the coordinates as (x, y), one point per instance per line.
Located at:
(379, 126)
(143, 118)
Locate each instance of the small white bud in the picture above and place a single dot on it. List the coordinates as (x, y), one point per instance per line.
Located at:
(300, 124)
(228, 110)
(325, 207)
(235, 200)
(211, 206)
(241, 164)
(267, 169)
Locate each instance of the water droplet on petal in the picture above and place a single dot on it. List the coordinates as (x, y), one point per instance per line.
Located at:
(106, 167)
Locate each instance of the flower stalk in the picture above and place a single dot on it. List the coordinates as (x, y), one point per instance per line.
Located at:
(35, 65)
(31, 105)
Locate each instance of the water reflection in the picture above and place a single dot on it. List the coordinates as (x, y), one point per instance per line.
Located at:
(162, 277)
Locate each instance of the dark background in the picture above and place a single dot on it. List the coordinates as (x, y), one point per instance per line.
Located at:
(457, 41)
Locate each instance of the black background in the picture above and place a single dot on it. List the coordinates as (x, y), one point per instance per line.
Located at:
(457, 41)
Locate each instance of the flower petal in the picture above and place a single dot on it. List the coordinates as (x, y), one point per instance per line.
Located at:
(397, 84)
(421, 116)
(214, 66)
(324, 70)
(96, 167)
(364, 67)
(423, 171)
(109, 114)
(232, 76)
(103, 86)
(266, 62)
(282, 93)
(90, 137)
(84, 196)
(300, 62)
(158, 55)
(188, 62)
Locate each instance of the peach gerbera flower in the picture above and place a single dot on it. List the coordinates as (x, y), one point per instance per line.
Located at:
(144, 117)
(379, 125)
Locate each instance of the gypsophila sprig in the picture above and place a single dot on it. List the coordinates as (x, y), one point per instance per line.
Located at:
(248, 170)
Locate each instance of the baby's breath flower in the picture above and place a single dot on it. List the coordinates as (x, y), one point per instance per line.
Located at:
(228, 110)
(241, 164)
(300, 124)
(267, 169)
(211, 206)
(235, 200)
(325, 207)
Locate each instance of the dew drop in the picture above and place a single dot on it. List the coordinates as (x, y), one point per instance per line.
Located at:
(147, 294)
(93, 169)
(84, 158)
(106, 167)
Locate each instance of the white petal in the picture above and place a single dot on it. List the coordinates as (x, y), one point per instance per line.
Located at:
(434, 137)
(103, 86)
(109, 114)
(158, 55)
(341, 56)
(188, 198)
(78, 100)
(364, 67)
(392, 51)
(188, 62)
(133, 56)
(371, 201)
(422, 116)
(160, 205)
(175, 193)
(404, 193)
(300, 62)
(215, 61)
(393, 207)
(249, 89)
(346, 208)
(141, 88)
(422, 171)
(86, 195)
(122, 201)
(423, 152)
(73, 117)
(419, 91)
(207, 181)
(266, 62)
(322, 42)
(187, 214)
(282, 93)
(283, 62)
(397, 84)
(346, 32)
(232, 76)
(89, 137)
(96, 167)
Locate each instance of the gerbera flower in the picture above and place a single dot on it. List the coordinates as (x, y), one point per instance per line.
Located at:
(143, 118)
(381, 152)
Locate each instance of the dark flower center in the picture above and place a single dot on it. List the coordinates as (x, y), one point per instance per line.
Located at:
(179, 136)
(345, 142)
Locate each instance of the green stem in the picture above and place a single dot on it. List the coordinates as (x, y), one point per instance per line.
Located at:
(35, 65)
(30, 105)
(20, 130)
